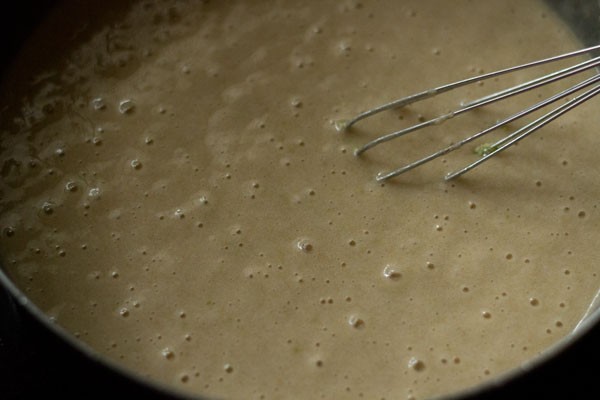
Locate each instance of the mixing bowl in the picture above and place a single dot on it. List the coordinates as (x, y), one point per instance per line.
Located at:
(38, 357)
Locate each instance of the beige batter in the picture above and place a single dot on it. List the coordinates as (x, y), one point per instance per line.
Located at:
(174, 193)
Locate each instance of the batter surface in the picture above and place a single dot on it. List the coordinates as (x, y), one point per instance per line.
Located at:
(174, 193)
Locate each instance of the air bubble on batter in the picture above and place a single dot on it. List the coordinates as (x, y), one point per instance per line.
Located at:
(98, 103)
(391, 272)
(179, 214)
(534, 302)
(304, 245)
(94, 192)
(135, 164)
(356, 322)
(126, 106)
(203, 200)
(48, 208)
(416, 364)
(71, 186)
(167, 353)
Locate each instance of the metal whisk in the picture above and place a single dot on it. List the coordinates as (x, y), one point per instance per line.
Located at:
(491, 149)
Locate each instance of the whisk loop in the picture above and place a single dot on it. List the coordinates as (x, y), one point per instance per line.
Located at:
(504, 143)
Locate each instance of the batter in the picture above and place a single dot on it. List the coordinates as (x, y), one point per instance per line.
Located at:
(174, 194)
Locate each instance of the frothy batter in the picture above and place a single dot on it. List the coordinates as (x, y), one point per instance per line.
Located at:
(174, 193)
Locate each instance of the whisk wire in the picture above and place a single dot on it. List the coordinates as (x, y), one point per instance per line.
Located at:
(497, 96)
(483, 101)
(552, 77)
(457, 145)
(527, 130)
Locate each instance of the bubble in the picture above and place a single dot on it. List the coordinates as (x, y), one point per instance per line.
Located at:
(98, 103)
(48, 208)
(126, 106)
(228, 368)
(391, 273)
(534, 302)
(179, 213)
(124, 312)
(168, 353)
(356, 322)
(344, 47)
(416, 364)
(94, 192)
(71, 186)
(9, 231)
(296, 102)
(136, 164)
(472, 205)
(486, 314)
(581, 214)
(304, 245)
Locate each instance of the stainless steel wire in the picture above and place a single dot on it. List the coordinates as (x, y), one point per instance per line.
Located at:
(500, 145)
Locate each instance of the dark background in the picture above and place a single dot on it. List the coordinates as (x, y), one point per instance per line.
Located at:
(35, 363)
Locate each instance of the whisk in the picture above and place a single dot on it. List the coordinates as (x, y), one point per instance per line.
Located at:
(489, 150)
